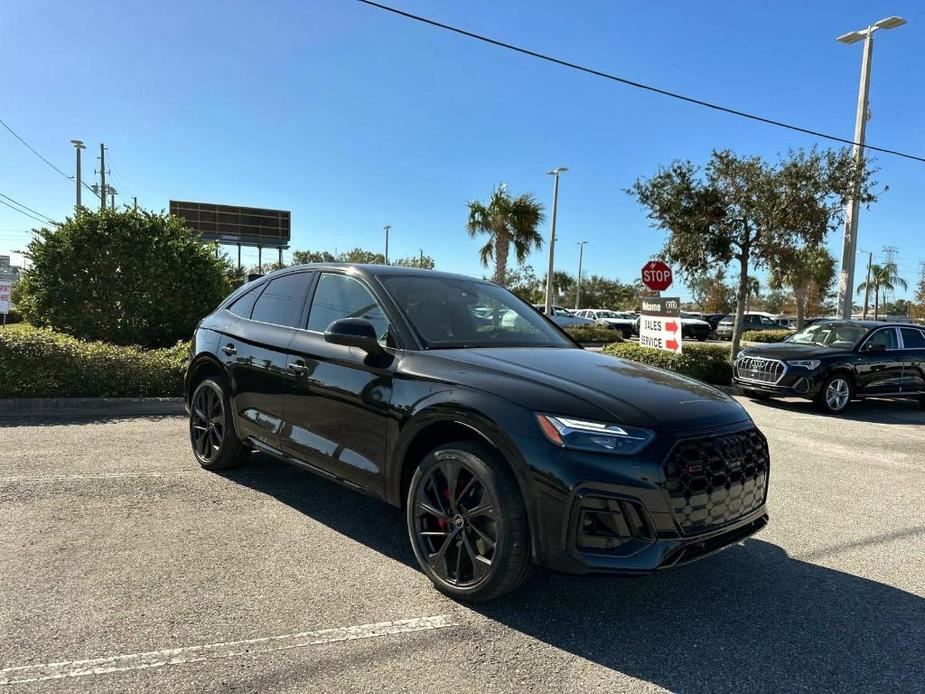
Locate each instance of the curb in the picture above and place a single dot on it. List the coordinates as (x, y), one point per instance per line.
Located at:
(106, 407)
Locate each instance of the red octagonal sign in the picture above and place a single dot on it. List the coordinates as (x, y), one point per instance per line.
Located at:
(656, 275)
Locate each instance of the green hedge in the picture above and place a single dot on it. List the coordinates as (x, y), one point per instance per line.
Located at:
(709, 363)
(594, 333)
(41, 363)
(766, 335)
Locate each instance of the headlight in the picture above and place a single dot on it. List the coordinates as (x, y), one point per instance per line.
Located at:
(805, 363)
(740, 354)
(567, 432)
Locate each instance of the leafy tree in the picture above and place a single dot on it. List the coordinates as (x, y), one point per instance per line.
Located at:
(601, 292)
(917, 310)
(563, 287)
(900, 307)
(744, 210)
(775, 301)
(124, 276)
(886, 277)
(523, 282)
(305, 257)
(508, 221)
(361, 255)
(422, 261)
(809, 271)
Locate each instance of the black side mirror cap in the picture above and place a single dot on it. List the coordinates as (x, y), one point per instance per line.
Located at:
(353, 332)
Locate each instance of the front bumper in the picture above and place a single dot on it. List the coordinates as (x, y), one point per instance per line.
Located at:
(795, 382)
(623, 516)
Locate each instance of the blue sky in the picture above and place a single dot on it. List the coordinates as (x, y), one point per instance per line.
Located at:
(354, 118)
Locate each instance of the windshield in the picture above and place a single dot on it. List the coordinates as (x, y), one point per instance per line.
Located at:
(835, 335)
(452, 313)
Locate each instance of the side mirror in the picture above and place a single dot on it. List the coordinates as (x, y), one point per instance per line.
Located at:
(353, 332)
(869, 347)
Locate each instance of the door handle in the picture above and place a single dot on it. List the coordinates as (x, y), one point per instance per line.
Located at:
(230, 349)
(298, 367)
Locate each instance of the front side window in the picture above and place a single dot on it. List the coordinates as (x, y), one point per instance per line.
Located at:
(449, 312)
(281, 302)
(913, 339)
(885, 338)
(340, 296)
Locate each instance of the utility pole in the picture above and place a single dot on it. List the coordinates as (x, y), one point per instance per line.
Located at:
(552, 238)
(102, 173)
(112, 197)
(135, 203)
(850, 244)
(387, 227)
(870, 260)
(581, 254)
(78, 145)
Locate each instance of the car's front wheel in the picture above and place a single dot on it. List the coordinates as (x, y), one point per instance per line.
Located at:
(467, 522)
(212, 435)
(835, 394)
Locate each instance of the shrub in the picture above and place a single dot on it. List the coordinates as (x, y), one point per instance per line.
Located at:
(709, 363)
(127, 277)
(38, 362)
(766, 335)
(593, 333)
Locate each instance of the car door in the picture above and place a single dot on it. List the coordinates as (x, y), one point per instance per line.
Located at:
(253, 349)
(337, 397)
(913, 356)
(880, 369)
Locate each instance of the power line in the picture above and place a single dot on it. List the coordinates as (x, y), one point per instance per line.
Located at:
(25, 207)
(34, 151)
(37, 219)
(638, 85)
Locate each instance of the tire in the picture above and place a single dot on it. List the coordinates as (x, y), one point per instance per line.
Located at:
(455, 549)
(702, 338)
(212, 435)
(828, 401)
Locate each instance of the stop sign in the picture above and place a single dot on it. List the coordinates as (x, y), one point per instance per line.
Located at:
(656, 275)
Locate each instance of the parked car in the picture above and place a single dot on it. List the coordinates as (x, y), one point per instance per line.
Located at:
(563, 317)
(714, 318)
(506, 446)
(835, 362)
(691, 328)
(616, 320)
(753, 321)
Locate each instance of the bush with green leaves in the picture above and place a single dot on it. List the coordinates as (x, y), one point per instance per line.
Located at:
(705, 362)
(127, 277)
(42, 363)
(593, 333)
(766, 335)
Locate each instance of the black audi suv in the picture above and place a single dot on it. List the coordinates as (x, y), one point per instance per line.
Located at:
(504, 441)
(835, 362)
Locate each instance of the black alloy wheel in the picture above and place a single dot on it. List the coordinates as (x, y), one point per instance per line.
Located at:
(212, 435)
(467, 522)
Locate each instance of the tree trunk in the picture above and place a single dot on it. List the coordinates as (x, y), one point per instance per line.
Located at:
(742, 299)
(502, 248)
(799, 296)
(876, 300)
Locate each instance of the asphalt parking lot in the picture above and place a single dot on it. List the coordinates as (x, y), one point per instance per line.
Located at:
(126, 567)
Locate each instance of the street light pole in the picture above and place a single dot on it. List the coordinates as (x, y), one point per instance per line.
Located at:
(78, 145)
(850, 244)
(387, 227)
(552, 237)
(581, 254)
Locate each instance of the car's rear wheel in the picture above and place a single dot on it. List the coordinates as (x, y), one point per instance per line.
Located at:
(835, 394)
(212, 435)
(467, 522)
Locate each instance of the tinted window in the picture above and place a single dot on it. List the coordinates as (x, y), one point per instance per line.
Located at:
(913, 339)
(243, 304)
(887, 338)
(339, 296)
(281, 302)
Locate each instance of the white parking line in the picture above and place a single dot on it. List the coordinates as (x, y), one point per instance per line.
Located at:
(227, 649)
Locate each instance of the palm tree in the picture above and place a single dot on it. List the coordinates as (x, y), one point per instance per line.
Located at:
(754, 290)
(507, 221)
(884, 276)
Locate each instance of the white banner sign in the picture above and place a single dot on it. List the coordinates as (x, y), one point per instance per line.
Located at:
(5, 288)
(660, 324)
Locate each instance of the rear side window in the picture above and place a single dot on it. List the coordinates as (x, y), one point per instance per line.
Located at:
(281, 302)
(913, 339)
(243, 305)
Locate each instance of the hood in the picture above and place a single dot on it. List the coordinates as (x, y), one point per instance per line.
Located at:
(790, 350)
(693, 321)
(587, 384)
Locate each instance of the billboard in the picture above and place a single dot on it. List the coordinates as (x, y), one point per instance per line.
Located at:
(660, 324)
(232, 224)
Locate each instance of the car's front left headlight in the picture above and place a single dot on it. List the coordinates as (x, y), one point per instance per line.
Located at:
(805, 363)
(740, 354)
(567, 432)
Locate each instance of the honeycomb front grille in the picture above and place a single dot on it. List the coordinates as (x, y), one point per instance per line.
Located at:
(714, 480)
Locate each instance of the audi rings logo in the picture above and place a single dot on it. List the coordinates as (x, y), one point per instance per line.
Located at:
(732, 450)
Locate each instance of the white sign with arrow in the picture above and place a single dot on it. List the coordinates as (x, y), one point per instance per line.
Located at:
(660, 324)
